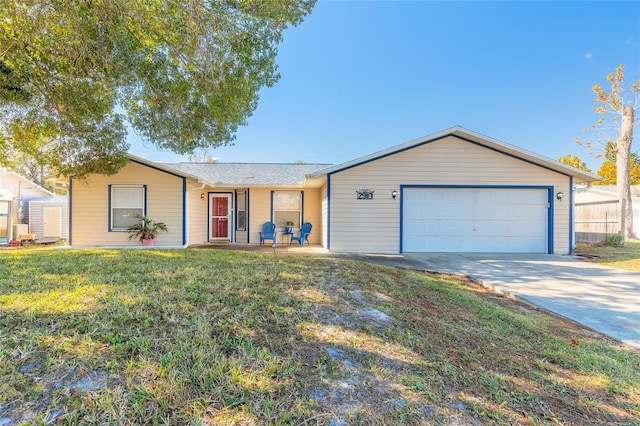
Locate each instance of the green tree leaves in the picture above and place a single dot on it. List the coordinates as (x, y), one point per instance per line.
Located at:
(184, 74)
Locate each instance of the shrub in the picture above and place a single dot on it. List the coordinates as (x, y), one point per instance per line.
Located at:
(615, 240)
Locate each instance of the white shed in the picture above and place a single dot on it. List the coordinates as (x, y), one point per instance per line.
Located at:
(49, 217)
(24, 191)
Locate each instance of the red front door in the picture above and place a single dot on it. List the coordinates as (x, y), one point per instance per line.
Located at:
(219, 217)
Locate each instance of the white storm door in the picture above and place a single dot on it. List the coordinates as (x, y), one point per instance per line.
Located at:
(52, 221)
(220, 217)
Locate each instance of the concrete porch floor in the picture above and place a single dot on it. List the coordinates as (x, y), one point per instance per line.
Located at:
(293, 249)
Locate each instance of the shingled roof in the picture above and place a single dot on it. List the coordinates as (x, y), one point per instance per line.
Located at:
(249, 174)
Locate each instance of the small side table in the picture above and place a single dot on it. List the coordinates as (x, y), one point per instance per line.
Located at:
(290, 234)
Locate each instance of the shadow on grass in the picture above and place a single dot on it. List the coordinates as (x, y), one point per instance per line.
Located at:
(217, 336)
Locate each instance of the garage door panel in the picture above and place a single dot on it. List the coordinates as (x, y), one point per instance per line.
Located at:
(495, 212)
(475, 220)
(483, 245)
(515, 230)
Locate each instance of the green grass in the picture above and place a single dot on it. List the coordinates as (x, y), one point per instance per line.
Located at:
(231, 337)
(626, 257)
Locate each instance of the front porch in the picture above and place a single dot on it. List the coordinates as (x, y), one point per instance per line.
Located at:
(294, 249)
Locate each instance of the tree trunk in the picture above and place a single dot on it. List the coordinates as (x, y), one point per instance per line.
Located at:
(625, 139)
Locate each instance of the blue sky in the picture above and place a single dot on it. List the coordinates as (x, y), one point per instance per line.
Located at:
(359, 77)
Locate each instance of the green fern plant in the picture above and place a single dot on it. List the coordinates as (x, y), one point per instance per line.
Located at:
(146, 228)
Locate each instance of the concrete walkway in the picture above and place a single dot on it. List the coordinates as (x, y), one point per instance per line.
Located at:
(605, 299)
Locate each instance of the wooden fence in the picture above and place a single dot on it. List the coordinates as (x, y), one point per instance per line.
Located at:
(595, 220)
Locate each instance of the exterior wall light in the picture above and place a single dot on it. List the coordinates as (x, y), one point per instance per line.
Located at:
(394, 194)
(202, 196)
(559, 196)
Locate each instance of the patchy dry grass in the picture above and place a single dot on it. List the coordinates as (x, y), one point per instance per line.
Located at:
(231, 337)
(626, 257)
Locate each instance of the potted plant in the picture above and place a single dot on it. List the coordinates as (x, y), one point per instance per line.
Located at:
(289, 227)
(146, 229)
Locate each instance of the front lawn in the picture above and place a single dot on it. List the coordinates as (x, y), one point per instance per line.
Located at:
(231, 337)
(626, 257)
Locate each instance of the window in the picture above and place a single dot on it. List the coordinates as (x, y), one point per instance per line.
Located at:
(241, 210)
(287, 206)
(125, 201)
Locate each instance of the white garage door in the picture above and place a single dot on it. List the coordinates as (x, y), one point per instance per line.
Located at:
(478, 220)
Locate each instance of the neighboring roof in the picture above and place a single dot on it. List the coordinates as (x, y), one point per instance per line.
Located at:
(472, 137)
(606, 193)
(6, 195)
(54, 199)
(29, 184)
(248, 174)
(613, 190)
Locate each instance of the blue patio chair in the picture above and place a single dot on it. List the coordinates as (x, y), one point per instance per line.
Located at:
(305, 230)
(268, 232)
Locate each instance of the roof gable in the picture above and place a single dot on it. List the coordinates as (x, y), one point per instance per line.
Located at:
(471, 137)
(23, 182)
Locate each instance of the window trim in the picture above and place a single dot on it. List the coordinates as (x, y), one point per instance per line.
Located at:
(241, 193)
(273, 205)
(110, 211)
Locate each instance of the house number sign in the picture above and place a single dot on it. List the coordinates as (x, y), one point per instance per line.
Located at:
(364, 194)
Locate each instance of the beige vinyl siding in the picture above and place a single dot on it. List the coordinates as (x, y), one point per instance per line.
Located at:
(260, 212)
(90, 214)
(241, 237)
(313, 213)
(374, 225)
(197, 214)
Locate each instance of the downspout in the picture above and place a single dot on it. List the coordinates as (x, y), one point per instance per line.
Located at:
(582, 189)
(198, 189)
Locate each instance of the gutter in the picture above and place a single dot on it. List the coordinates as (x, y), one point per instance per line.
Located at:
(198, 189)
(577, 188)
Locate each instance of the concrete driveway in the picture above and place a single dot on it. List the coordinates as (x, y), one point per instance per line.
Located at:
(605, 299)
